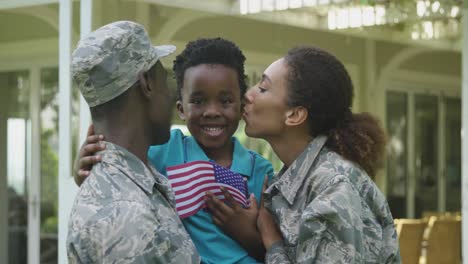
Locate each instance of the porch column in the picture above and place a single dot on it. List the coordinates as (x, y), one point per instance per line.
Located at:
(34, 171)
(86, 22)
(67, 188)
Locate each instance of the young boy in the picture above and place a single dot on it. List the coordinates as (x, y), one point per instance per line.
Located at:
(210, 87)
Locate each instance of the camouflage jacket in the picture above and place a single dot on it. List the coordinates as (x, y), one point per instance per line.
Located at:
(124, 213)
(329, 211)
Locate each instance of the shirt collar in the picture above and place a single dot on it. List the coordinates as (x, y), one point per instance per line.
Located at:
(130, 165)
(242, 160)
(290, 179)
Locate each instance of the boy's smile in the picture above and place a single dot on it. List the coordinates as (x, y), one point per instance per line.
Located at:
(213, 131)
(211, 104)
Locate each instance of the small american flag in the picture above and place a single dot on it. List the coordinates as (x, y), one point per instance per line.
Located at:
(190, 182)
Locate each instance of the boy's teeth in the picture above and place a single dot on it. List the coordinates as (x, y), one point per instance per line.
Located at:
(213, 128)
(214, 131)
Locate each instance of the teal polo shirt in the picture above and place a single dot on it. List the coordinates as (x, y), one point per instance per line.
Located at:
(212, 244)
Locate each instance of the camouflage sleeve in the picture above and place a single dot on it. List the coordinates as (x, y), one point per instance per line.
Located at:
(391, 253)
(277, 254)
(329, 232)
(130, 232)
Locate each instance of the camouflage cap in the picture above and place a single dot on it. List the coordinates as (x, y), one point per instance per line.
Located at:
(107, 61)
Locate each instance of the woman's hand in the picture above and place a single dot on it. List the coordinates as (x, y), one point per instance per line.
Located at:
(266, 224)
(86, 158)
(238, 222)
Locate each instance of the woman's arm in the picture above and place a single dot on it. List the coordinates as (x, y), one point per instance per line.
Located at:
(330, 229)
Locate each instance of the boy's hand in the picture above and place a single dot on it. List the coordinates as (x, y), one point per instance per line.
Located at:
(86, 159)
(238, 222)
(232, 215)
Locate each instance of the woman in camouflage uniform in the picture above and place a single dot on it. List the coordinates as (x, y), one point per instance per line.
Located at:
(322, 207)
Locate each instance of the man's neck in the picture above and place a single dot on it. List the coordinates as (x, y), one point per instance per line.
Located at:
(133, 138)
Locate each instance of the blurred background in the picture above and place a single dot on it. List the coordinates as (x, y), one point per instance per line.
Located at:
(405, 59)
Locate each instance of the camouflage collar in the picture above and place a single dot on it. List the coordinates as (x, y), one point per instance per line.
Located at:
(130, 165)
(290, 179)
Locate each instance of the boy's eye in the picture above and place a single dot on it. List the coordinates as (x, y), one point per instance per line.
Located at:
(261, 89)
(226, 101)
(196, 101)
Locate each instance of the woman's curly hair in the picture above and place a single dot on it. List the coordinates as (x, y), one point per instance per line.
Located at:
(319, 82)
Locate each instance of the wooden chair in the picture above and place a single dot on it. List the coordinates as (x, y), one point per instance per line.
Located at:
(410, 235)
(428, 214)
(442, 241)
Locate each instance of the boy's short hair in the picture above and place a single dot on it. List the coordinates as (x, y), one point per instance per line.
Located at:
(210, 51)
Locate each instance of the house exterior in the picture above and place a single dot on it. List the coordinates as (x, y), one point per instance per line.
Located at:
(406, 73)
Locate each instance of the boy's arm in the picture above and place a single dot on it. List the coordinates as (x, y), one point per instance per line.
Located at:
(86, 159)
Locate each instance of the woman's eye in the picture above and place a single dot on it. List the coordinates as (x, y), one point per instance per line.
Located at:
(261, 89)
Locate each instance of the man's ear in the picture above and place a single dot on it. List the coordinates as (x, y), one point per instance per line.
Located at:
(180, 110)
(144, 84)
(296, 116)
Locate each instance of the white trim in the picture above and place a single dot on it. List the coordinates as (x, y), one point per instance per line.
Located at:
(9, 4)
(175, 23)
(43, 13)
(34, 175)
(86, 14)
(23, 49)
(66, 191)
(405, 87)
(23, 55)
(465, 135)
(370, 97)
(396, 61)
(226, 7)
(429, 82)
(24, 65)
(371, 76)
(300, 18)
(86, 17)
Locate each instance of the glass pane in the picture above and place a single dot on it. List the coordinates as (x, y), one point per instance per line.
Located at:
(14, 165)
(453, 154)
(397, 123)
(425, 129)
(49, 165)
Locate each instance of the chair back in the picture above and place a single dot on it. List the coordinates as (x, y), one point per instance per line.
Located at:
(442, 240)
(410, 235)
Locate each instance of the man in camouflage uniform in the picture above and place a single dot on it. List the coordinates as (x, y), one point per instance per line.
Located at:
(125, 212)
(329, 211)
